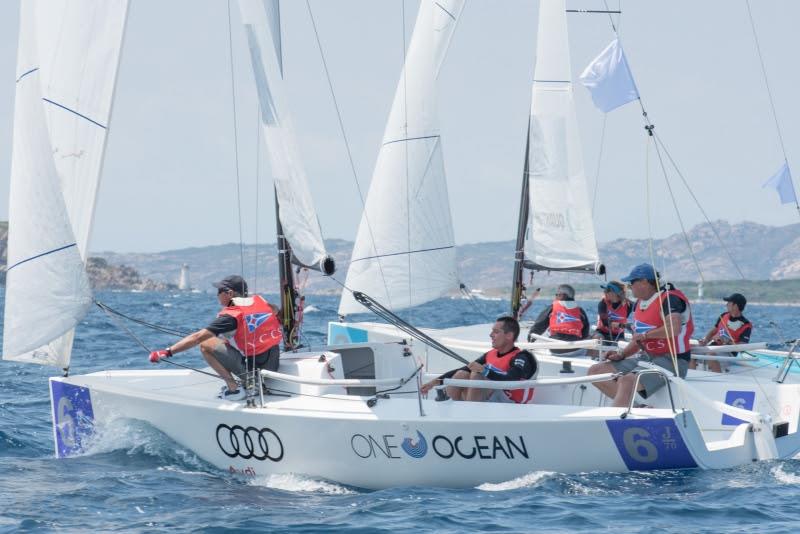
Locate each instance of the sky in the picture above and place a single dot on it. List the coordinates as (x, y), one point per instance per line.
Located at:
(170, 181)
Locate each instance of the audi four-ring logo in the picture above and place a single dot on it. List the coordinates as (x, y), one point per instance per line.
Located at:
(250, 442)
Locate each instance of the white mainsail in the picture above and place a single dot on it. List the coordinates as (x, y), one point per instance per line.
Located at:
(66, 70)
(404, 253)
(560, 230)
(298, 217)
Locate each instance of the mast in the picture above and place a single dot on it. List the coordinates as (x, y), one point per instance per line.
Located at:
(517, 284)
(291, 307)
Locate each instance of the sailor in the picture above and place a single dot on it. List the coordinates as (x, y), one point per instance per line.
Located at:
(663, 326)
(256, 330)
(504, 362)
(612, 312)
(565, 320)
(731, 328)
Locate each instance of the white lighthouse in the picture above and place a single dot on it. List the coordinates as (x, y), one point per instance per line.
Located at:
(183, 282)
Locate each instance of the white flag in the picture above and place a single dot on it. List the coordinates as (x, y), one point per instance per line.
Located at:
(609, 79)
(781, 182)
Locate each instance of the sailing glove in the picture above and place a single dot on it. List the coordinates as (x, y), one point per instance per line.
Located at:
(157, 355)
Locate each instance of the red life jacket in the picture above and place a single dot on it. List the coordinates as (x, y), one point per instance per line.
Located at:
(725, 330)
(618, 315)
(649, 319)
(257, 327)
(501, 364)
(564, 320)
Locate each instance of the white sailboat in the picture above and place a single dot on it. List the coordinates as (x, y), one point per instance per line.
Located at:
(362, 400)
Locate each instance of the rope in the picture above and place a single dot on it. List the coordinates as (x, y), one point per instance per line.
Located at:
(599, 160)
(667, 330)
(674, 204)
(769, 91)
(346, 145)
(163, 329)
(660, 142)
(235, 139)
(405, 146)
(473, 301)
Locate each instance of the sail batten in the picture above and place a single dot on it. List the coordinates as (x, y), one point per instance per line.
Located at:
(560, 230)
(404, 253)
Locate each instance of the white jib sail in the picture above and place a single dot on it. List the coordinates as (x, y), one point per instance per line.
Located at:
(298, 217)
(67, 65)
(560, 229)
(404, 253)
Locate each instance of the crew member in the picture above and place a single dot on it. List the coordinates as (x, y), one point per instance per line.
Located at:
(504, 362)
(564, 319)
(663, 326)
(731, 328)
(612, 312)
(256, 330)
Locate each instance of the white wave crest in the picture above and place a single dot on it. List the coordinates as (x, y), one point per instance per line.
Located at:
(526, 481)
(300, 483)
(310, 309)
(783, 477)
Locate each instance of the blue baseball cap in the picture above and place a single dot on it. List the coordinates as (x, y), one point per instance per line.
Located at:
(616, 287)
(643, 271)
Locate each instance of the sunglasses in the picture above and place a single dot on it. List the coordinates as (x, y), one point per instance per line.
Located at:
(222, 290)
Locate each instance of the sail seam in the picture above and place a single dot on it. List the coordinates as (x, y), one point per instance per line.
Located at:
(40, 255)
(410, 139)
(26, 73)
(74, 112)
(401, 253)
(552, 81)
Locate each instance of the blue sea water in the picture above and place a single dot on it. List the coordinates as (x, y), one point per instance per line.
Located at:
(136, 479)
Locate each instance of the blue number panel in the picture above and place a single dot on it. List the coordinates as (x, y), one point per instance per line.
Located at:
(73, 417)
(650, 444)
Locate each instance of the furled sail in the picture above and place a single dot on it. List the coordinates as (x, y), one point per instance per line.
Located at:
(404, 253)
(298, 217)
(66, 71)
(560, 230)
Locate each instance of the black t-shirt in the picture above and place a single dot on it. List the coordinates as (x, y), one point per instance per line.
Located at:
(224, 324)
(522, 367)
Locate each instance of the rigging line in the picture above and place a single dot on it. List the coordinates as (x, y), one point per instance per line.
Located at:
(364, 215)
(667, 331)
(162, 329)
(766, 80)
(258, 194)
(474, 302)
(405, 147)
(235, 139)
(599, 160)
(699, 206)
(610, 18)
(677, 211)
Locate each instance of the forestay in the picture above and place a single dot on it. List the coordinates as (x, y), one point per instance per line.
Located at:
(66, 71)
(560, 229)
(298, 217)
(404, 253)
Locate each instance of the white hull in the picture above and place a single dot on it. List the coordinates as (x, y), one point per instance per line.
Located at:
(323, 432)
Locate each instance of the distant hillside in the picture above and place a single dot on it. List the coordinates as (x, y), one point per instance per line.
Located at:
(102, 274)
(762, 253)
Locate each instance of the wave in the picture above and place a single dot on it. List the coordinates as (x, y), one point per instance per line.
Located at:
(300, 483)
(526, 481)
